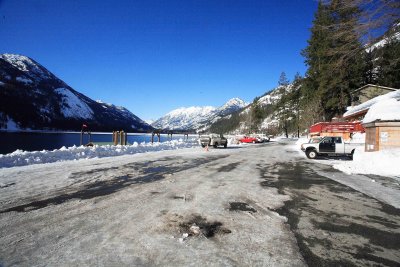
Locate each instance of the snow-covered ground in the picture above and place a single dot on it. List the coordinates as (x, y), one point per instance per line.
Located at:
(23, 158)
(138, 210)
(384, 163)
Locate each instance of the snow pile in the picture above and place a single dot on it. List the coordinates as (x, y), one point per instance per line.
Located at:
(22, 158)
(300, 141)
(386, 110)
(72, 106)
(384, 163)
(357, 138)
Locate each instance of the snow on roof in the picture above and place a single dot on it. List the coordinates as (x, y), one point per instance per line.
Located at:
(366, 105)
(385, 110)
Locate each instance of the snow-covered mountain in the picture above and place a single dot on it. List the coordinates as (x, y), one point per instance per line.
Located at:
(197, 118)
(31, 97)
(271, 107)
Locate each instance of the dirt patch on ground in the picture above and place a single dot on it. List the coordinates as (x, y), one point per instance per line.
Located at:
(195, 225)
(334, 224)
(240, 206)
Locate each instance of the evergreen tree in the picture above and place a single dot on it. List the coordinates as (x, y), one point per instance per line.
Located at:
(296, 98)
(317, 59)
(334, 57)
(283, 105)
(388, 60)
(257, 115)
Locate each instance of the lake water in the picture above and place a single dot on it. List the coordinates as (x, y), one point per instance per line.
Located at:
(33, 141)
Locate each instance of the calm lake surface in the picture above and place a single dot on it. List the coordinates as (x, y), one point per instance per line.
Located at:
(34, 141)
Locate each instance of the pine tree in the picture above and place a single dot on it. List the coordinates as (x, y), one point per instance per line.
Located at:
(317, 59)
(296, 98)
(257, 115)
(334, 57)
(283, 83)
(388, 60)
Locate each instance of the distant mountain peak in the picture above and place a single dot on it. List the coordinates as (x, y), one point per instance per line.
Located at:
(28, 66)
(195, 118)
(235, 101)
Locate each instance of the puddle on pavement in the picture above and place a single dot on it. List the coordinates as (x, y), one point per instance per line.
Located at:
(229, 167)
(148, 173)
(240, 206)
(334, 225)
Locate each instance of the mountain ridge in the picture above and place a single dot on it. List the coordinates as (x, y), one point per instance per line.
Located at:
(197, 118)
(31, 97)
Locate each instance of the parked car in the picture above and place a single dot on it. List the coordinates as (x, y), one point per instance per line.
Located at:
(214, 140)
(262, 138)
(329, 145)
(249, 139)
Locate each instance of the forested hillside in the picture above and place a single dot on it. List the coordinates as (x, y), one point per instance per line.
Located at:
(352, 43)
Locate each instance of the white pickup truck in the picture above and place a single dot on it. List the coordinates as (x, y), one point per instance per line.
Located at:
(329, 145)
(214, 140)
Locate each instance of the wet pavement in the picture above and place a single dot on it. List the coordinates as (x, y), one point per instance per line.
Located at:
(334, 225)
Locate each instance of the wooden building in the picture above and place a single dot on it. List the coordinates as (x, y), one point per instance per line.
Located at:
(381, 135)
(367, 92)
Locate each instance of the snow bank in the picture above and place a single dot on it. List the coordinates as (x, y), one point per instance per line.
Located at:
(358, 138)
(384, 163)
(22, 158)
(386, 110)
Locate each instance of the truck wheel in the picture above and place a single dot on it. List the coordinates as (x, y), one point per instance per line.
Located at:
(351, 155)
(311, 154)
(226, 145)
(215, 145)
(203, 146)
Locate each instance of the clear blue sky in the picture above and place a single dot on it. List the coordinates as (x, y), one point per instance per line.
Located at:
(155, 56)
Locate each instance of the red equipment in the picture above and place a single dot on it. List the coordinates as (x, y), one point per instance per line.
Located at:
(336, 127)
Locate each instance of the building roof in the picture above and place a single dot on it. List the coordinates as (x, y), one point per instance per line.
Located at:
(351, 111)
(373, 85)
